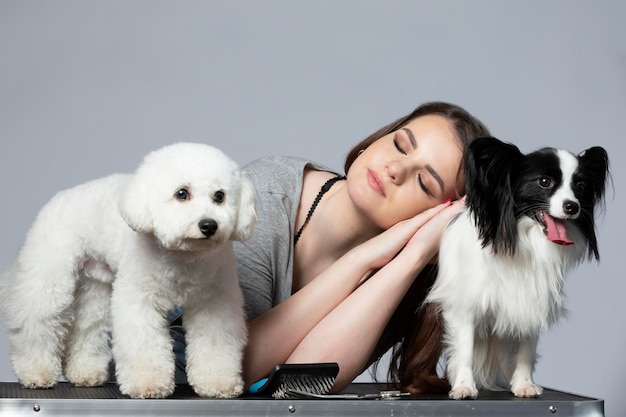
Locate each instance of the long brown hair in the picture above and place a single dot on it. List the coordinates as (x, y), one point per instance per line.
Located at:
(415, 331)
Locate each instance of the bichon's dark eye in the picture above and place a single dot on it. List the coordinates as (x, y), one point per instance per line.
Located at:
(182, 194)
(218, 197)
(545, 182)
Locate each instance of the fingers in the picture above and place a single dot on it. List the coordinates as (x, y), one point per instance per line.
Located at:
(437, 223)
(424, 217)
(382, 248)
(402, 231)
(452, 209)
(424, 244)
(433, 211)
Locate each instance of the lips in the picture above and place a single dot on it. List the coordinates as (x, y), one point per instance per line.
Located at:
(376, 182)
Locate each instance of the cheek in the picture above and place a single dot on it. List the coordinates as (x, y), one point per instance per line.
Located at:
(358, 194)
(384, 212)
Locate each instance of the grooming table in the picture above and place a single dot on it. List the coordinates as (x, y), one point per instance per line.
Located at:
(65, 400)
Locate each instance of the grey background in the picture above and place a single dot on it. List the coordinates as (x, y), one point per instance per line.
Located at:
(87, 88)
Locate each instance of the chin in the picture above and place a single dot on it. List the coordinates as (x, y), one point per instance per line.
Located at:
(530, 218)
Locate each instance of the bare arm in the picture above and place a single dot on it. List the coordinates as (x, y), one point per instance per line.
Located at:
(349, 333)
(333, 318)
(274, 335)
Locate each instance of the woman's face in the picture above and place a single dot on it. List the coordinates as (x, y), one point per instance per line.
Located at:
(406, 171)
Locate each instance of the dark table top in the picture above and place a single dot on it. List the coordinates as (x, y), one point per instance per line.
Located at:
(107, 400)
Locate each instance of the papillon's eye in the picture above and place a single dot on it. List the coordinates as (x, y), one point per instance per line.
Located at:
(218, 197)
(579, 187)
(545, 182)
(182, 194)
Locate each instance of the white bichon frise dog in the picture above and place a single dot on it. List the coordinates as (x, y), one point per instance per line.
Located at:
(112, 256)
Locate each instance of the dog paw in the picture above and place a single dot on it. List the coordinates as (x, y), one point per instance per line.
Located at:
(463, 392)
(527, 390)
(225, 387)
(38, 377)
(41, 382)
(148, 390)
(88, 378)
(86, 367)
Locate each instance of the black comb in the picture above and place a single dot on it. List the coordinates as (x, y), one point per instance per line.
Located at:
(313, 378)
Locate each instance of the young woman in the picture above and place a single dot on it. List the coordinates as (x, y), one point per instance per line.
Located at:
(338, 266)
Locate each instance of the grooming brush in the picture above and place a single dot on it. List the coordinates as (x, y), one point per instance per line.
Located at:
(313, 378)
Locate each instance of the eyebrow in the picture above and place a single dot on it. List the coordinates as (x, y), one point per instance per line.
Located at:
(429, 168)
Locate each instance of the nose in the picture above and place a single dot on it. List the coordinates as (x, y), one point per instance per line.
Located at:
(208, 227)
(570, 207)
(397, 171)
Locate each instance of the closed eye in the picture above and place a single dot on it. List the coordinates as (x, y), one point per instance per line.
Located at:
(404, 141)
(398, 147)
(423, 185)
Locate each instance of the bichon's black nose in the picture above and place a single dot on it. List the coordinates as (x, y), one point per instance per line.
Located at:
(208, 227)
(570, 207)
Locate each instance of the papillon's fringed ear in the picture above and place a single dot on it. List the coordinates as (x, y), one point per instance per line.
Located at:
(594, 167)
(595, 161)
(488, 164)
(246, 214)
(134, 207)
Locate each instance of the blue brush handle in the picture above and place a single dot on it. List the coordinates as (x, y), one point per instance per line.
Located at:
(254, 388)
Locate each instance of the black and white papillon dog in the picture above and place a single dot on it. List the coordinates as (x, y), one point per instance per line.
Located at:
(502, 261)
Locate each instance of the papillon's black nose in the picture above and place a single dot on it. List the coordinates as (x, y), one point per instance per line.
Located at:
(208, 227)
(570, 207)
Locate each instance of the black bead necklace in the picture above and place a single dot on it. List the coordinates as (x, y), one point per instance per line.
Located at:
(327, 185)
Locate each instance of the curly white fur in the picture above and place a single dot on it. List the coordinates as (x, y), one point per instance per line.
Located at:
(113, 255)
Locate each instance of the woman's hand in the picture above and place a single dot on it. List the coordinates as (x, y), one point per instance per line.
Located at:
(382, 248)
(424, 244)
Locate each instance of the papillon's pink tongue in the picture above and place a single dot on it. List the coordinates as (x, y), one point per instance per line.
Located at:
(556, 230)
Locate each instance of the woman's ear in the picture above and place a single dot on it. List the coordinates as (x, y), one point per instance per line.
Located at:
(133, 205)
(246, 211)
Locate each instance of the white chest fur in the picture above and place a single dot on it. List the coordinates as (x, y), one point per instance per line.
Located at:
(509, 295)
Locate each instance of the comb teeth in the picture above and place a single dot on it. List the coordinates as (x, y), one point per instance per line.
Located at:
(307, 378)
(313, 384)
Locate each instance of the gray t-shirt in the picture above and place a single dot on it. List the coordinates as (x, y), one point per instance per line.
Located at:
(265, 261)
